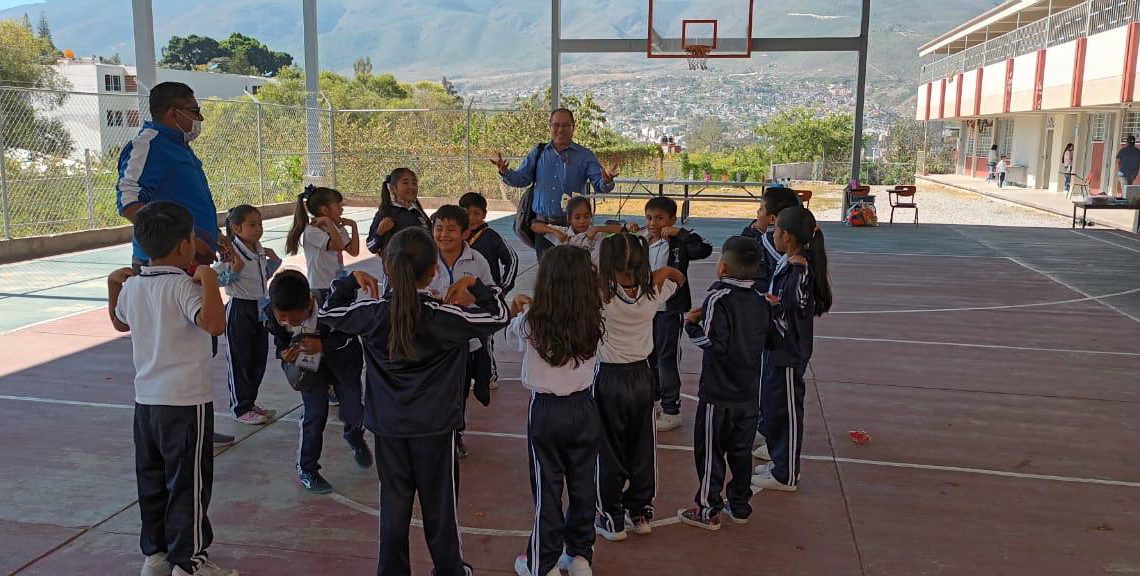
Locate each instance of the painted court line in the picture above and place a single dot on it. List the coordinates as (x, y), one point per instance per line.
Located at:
(1109, 242)
(1004, 307)
(1123, 237)
(1071, 287)
(982, 471)
(970, 345)
(863, 253)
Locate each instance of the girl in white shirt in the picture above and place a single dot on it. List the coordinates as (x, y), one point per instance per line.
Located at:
(558, 332)
(581, 231)
(623, 386)
(323, 237)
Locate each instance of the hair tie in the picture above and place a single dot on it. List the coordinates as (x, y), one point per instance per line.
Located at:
(308, 192)
(817, 230)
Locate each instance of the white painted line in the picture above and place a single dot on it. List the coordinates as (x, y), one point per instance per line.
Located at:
(1005, 307)
(1123, 237)
(914, 254)
(982, 471)
(66, 402)
(1071, 287)
(1129, 248)
(984, 346)
(65, 316)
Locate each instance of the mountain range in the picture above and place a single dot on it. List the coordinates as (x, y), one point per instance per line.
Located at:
(488, 41)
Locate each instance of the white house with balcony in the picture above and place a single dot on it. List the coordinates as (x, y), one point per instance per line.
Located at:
(1032, 76)
(102, 112)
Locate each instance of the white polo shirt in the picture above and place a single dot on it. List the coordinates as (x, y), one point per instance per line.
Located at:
(252, 282)
(171, 353)
(539, 376)
(629, 325)
(323, 264)
(469, 263)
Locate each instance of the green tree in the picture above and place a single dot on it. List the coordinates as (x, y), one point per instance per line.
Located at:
(362, 67)
(25, 124)
(806, 134)
(245, 50)
(44, 30)
(27, 22)
(705, 134)
(190, 52)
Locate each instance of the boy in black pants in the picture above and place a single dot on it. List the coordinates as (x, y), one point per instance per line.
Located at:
(171, 316)
(315, 358)
(503, 259)
(731, 329)
(673, 247)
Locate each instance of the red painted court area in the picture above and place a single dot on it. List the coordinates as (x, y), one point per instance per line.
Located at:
(996, 369)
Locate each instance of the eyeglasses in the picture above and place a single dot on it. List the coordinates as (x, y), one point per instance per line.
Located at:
(561, 126)
(196, 111)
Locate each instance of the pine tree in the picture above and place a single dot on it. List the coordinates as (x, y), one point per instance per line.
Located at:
(44, 29)
(27, 22)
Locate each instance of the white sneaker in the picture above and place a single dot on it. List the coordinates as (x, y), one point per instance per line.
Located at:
(522, 567)
(579, 566)
(760, 440)
(206, 569)
(156, 565)
(601, 529)
(637, 525)
(761, 453)
(667, 422)
(765, 481)
(252, 418)
(494, 385)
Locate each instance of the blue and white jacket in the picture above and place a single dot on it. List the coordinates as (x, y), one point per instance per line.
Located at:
(157, 165)
(732, 333)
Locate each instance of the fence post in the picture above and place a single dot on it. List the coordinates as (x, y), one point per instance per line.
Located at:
(469, 168)
(87, 186)
(4, 182)
(332, 144)
(260, 158)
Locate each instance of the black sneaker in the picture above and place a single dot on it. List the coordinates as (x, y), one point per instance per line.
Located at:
(362, 455)
(460, 448)
(314, 482)
(222, 440)
(333, 400)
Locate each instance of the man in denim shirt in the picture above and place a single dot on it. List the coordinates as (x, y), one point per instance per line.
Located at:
(558, 170)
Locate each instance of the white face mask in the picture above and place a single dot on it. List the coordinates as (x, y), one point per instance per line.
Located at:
(194, 132)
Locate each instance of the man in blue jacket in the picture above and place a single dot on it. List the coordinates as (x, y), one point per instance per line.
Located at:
(158, 164)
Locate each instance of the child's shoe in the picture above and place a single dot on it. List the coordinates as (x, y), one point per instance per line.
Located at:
(575, 566)
(206, 569)
(694, 517)
(522, 567)
(761, 453)
(314, 482)
(638, 524)
(667, 422)
(361, 454)
(333, 400)
(735, 519)
(764, 480)
(460, 448)
(251, 418)
(269, 414)
(603, 531)
(156, 565)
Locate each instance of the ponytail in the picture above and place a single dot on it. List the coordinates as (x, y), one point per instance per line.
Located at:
(820, 284)
(309, 203)
(625, 252)
(387, 207)
(409, 256)
(800, 223)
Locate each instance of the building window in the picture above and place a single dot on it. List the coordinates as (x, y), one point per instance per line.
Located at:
(970, 140)
(1098, 126)
(254, 89)
(114, 118)
(985, 136)
(133, 118)
(112, 83)
(1006, 145)
(1131, 125)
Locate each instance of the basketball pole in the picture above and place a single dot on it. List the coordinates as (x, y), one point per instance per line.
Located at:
(860, 89)
(315, 169)
(145, 68)
(555, 53)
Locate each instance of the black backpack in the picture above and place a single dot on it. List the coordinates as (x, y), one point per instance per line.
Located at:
(524, 215)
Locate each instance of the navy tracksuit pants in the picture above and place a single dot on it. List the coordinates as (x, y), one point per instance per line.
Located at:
(562, 434)
(341, 369)
(723, 436)
(627, 454)
(174, 469)
(246, 353)
(427, 466)
(782, 396)
(666, 360)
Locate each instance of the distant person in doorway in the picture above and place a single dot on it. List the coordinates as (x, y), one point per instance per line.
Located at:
(159, 165)
(991, 163)
(1067, 165)
(1001, 169)
(1127, 163)
(558, 171)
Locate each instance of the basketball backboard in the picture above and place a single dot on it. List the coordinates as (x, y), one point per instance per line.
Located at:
(722, 28)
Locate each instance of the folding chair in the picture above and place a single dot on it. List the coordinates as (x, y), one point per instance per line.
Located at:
(902, 197)
(1078, 186)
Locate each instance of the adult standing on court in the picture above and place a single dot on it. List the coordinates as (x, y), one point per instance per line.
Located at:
(558, 170)
(158, 164)
(1128, 161)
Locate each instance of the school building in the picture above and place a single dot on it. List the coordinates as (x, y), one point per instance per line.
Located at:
(1032, 76)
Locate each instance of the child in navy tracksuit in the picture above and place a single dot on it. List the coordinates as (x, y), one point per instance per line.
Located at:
(399, 208)
(245, 274)
(774, 201)
(415, 351)
(673, 247)
(731, 328)
(798, 292)
(503, 259)
(558, 332)
(316, 359)
(457, 260)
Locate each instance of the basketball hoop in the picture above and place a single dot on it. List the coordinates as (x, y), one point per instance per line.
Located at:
(698, 56)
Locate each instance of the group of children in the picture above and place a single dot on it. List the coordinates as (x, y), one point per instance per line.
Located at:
(422, 335)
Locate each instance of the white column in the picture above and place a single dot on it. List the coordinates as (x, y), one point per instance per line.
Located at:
(555, 53)
(145, 69)
(312, 88)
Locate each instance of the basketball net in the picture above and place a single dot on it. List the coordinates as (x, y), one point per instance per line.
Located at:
(698, 56)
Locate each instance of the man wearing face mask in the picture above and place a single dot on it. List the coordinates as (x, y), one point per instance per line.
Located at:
(159, 164)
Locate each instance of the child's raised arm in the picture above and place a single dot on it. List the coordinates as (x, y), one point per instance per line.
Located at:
(115, 287)
(342, 313)
(667, 273)
(542, 228)
(694, 245)
(353, 246)
(212, 316)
